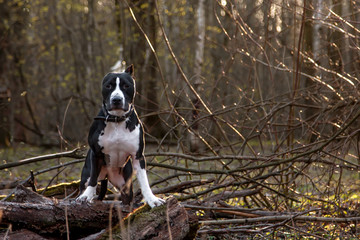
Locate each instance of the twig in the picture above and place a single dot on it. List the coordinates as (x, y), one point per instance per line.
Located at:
(180, 187)
(32, 181)
(231, 194)
(167, 178)
(196, 207)
(239, 229)
(233, 211)
(52, 179)
(192, 170)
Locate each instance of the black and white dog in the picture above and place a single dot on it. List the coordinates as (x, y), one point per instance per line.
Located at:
(116, 140)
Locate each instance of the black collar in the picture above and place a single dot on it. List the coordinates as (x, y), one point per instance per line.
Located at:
(112, 118)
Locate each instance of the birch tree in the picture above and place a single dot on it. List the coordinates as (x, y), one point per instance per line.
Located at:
(199, 58)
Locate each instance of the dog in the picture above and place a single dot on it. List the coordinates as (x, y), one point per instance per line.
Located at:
(116, 140)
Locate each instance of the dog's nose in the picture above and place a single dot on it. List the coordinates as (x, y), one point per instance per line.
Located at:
(117, 101)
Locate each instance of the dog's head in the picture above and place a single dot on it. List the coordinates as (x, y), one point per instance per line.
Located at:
(118, 90)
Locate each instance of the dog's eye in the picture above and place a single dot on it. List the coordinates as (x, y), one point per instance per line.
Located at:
(108, 86)
(126, 86)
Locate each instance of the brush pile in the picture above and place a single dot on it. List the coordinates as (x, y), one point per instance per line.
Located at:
(201, 202)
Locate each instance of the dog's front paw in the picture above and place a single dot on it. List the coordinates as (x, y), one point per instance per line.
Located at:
(155, 201)
(88, 195)
(83, 198)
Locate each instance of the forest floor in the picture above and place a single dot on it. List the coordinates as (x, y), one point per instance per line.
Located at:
(310, 217)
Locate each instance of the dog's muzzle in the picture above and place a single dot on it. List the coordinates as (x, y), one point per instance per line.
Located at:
(118, 103)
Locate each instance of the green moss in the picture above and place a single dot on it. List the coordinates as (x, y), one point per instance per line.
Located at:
(141, 216)
(59, 189)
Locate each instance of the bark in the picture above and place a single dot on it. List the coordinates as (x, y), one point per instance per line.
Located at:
(21, 235)
(150, 84)
(46, 216)
(170, 221)
(199, 58)
(317, 29)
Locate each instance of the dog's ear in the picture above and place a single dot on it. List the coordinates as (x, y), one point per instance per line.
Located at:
(130, 70)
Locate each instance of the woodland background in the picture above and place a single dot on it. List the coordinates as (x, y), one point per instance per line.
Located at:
(255, 94)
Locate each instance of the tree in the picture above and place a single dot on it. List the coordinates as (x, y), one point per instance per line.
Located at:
(198, 79)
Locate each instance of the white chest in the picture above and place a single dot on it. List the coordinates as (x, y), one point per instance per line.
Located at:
(118, 143)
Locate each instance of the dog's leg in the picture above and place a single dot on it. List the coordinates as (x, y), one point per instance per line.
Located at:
(103, 189)
(90, 190)
(121, 179)
(127, 189)
(85, 173)
(150, 198)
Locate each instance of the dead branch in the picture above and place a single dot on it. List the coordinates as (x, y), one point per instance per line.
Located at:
(192, 170)
(75, 153)
(231, 194)
(227, 211)
(282, 218)
(180, 187)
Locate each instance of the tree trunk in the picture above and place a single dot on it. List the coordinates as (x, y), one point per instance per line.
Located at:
(150, 86)
(199, 58)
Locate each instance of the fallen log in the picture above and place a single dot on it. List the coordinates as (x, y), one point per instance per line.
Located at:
(58, 218)
(45, 216)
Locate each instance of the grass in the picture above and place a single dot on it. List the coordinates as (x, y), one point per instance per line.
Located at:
(22, 151)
